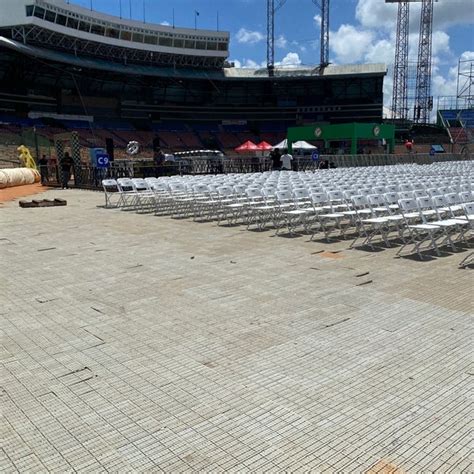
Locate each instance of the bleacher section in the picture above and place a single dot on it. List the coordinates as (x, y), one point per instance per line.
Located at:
(173, 136)
(460, 126)
(456, 118)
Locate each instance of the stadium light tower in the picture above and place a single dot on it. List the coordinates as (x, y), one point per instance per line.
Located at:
(323, 5)
(400, 69)
(423, 99)
(271, 10)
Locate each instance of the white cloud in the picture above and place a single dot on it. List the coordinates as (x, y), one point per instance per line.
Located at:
(349, 43)
(248, 36)
(289, 61)
(250, 63)
(318, 20)
(382, 51)
(165, 23)
(281, 42)
(453, 12)
(440, 43)
(377, 14)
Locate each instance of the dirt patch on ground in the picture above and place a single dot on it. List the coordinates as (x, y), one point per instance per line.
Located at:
(335, 255)
(17, 192)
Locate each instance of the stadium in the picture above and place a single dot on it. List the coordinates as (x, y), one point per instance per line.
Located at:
(216, 268)
(104, 84)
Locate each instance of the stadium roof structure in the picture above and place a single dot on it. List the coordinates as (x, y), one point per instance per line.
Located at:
(236, 73)
(58, 25)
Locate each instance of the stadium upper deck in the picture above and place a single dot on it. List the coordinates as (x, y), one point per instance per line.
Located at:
(58, 58)
(59, 25)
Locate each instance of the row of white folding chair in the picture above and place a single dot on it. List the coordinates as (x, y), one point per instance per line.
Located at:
(385, 205)
(428, 221)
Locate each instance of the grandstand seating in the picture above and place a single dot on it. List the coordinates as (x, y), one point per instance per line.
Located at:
(453, 117)
(459, 134)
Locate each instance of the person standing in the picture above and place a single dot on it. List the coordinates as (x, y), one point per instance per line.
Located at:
(275, 156)
(66, 167)
(324, 165)
(159, 160)
(44, 172)
(286, 160)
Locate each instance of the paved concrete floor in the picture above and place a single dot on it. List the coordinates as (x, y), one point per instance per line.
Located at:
(140, 343)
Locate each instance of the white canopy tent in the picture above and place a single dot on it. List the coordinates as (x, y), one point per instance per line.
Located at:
(299, 145)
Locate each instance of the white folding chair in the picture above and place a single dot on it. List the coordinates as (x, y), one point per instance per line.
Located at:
(111, 193)
(127, 193)
(369, 226)
(419, 233)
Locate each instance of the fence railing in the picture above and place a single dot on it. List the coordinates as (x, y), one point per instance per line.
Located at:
(90, 177)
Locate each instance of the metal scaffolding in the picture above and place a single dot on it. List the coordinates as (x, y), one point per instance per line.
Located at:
(323, 5)
(465, 84)
(423, 98)
(271, 10)
(400, 72)
(423, 101)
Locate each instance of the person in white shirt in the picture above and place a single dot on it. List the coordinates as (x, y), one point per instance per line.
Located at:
(286, 160)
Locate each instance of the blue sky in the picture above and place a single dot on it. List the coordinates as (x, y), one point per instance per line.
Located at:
(360, 31)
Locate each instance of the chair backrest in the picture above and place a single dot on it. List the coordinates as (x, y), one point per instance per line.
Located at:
(319, 198)
(406, 195)
(348, 194)
(434, 192)
(300, 193)
(391, 197)
(466, 196)
(269, 193)
(420, 193)
(177, 187)
(378, 190)
(424, 202)
(406, 187)
(439, 201)
(125, 184)
(359, 201)
(441, 190)
(139, 184)
(225, 190)
(109, 184)
(212, 187)
(391, 188)
(451, 198)
(335, 196)
(200, 189)
(254, 193)
(284, 195)
(376, 200)
(408, 205)
(240, 189)
(468, 208)
(159, 187)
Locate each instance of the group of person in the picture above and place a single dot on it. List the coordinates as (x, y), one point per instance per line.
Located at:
(284, 161)
(65, 169)
(281, 161)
